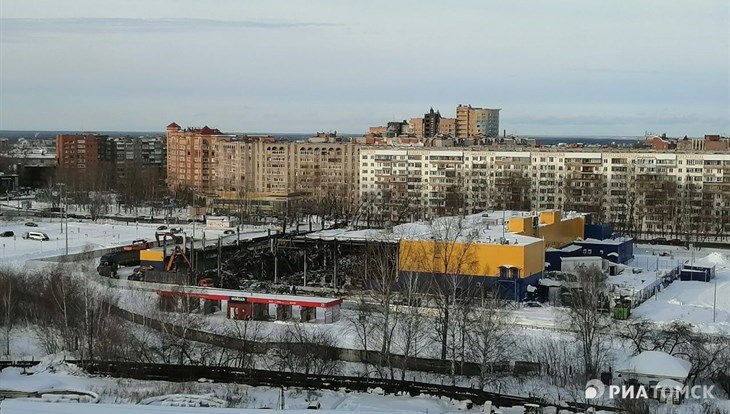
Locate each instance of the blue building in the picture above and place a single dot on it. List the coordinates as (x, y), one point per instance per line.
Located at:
(618, 250)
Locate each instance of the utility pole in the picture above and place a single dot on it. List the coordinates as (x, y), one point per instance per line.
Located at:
(60, 203)
(220, 238)
(656, 294)
(66, 217)
(714, 303)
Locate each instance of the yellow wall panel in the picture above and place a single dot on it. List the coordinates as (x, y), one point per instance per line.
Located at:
(469, 259)
(151, 255)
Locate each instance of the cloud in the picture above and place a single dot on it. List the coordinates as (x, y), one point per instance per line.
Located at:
(21, 26)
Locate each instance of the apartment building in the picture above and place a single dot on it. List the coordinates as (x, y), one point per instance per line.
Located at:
(139, 159)
(273, 175)
(647, 192)
(476, 122)
(85, 160)
(191, 157)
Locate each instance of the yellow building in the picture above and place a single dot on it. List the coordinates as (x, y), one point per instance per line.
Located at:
(479, 252)
(504, 251)
(550, 226)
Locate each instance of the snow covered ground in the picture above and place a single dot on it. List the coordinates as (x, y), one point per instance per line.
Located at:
(692, 301)
(86, 235)
(118, 395)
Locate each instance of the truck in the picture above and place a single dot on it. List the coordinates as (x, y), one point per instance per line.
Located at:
(177, 271)
(110, 262)
(146, 274)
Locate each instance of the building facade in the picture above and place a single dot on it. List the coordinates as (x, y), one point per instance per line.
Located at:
(138, 160)
(476, 122)
(191, 157)
(85, 161)
(431, 122)
(275, 175)
(645, 193)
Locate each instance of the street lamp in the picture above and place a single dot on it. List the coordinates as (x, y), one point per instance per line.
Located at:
(64, 214)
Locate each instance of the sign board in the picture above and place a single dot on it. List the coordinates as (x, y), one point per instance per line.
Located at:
(237, 299)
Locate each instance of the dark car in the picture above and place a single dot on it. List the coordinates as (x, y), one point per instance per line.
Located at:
(677, 242)
(31, 224)
(658, 240)
(162, 228)
(7, 234)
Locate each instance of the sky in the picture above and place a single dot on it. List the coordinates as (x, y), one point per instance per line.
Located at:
(559, 67)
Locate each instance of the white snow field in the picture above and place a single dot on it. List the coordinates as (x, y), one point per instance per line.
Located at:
(691, 301)
(86, 235)
(53, 377)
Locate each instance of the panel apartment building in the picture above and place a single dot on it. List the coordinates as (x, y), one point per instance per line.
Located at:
(276, 175)
(91, 161)
(645, 193)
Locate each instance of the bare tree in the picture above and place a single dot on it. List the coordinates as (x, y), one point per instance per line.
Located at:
(410, 336)
(311, 351)
(179, 323)
(8, 304)
(640, 334)
(590, 323)
(380, 274)
(490, 336)
(449, 257)
(247, 333)
(512, 190)
(99, 205)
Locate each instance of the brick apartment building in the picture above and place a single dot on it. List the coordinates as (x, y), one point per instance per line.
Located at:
(476, 122)
(90, 161)
(261, 172)
(470, 122)
(274, 175)
(85, 161)
(191, 157)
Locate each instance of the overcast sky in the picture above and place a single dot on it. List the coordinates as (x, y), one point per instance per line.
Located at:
(565, 67)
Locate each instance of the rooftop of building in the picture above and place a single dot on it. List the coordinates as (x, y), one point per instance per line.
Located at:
(545, 149)
(483, 228)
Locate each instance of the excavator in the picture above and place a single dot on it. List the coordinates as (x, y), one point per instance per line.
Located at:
(177, 270)
(173, 263)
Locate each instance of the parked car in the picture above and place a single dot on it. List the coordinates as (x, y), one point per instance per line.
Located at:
(31, 224)
(7, 234)
(162, 228)
(677, 242)
(175, 230)
(658, 240)
(36, 235)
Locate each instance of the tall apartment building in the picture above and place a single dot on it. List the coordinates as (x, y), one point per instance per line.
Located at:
(476, 122)
(671, 194)
(191, 157)
(139, 159)
(85, 160)
(431, 121)
(271, 175)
